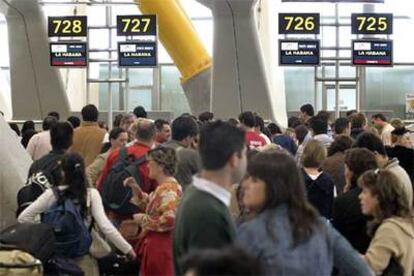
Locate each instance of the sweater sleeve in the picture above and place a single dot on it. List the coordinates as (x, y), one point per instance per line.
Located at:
(40, 205)
(346, 259)
(162, 218)
(105, 225)
(140, 199)
(383, 246)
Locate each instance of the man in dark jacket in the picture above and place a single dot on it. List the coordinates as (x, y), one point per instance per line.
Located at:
(184, 133)
(374, 143)
(347, 216)
(358, 124)
(61, 138)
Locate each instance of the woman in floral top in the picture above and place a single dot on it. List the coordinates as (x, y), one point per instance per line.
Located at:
(158, 221)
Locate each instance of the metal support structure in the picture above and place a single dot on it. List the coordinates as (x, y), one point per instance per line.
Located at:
(126, 95)
(362, 88)
(126, 71)
(120, 80)
(341, 86)
(337, 61)
(358, 90)
(315, 85)
(108, 11)
(156, 89)
(362, 93)
(121, 90)
(107, 3)
(88, 97)
(315, 88)
(336, 79)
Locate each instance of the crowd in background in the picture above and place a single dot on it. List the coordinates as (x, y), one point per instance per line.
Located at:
(243, 196)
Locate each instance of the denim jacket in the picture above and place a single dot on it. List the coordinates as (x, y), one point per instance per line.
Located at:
(318, 255)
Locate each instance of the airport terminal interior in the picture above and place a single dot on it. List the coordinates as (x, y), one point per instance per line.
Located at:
(206, 137)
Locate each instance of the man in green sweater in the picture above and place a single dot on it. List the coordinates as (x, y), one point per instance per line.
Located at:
(203, 218)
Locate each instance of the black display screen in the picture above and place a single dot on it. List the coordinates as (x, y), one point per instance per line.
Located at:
(137, 54)
(372, 52)
(68, 54)
(299, 52)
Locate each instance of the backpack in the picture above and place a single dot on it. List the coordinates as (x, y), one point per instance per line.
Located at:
(115, 195)
(33, 238)
(36, 184)
(73, 238)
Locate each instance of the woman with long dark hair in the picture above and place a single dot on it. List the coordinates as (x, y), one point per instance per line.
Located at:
(28, 131)
(393, 225)
(287, 234)
(74, 186)
(28, 125)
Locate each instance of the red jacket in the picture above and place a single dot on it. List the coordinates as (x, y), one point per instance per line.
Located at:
(138, 150)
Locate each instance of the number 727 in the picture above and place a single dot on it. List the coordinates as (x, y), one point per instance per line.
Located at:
(135, 23)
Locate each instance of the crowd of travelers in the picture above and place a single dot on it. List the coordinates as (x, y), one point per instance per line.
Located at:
(204, 196)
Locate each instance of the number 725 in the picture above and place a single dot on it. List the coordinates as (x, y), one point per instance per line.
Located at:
(372, 24)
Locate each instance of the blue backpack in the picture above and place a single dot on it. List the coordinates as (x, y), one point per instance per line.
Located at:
(73, 237)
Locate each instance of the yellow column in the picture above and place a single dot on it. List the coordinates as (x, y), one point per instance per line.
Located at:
(178, 36)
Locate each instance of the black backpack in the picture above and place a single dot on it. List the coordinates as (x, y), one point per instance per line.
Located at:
(36, 184)
(34, 238)
(115, 196)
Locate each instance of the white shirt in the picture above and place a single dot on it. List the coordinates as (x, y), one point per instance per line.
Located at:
(46, 201)
(106, 138)
(39, 145)
(324, 139)
(212, 188)
(386, 134)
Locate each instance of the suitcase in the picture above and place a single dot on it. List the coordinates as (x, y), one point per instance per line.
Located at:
(16, 262)
(114, 264)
